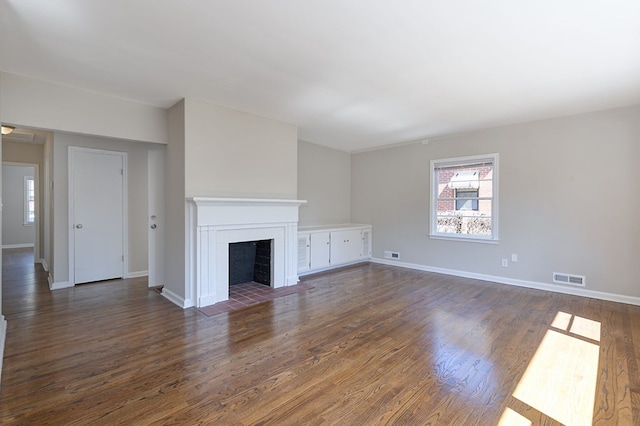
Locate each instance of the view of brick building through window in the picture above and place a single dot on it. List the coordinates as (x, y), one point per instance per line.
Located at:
(464, 199)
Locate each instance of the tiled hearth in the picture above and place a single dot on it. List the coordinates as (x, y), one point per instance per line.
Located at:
(248, 294)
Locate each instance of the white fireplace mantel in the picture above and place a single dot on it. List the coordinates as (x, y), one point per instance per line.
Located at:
(214, 223)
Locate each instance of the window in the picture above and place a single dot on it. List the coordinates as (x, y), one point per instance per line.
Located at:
(29, 200)
(464, 198)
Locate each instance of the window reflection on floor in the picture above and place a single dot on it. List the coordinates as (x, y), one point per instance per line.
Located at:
(513, 418)
(560, 381)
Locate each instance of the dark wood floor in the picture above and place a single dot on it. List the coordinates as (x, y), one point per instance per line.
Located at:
(369, 344)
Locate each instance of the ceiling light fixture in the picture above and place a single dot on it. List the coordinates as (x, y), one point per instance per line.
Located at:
(6, 130)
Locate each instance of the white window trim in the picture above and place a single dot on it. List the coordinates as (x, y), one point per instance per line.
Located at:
(433, 228)
(25, 213)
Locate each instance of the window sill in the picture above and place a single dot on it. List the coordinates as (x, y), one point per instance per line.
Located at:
(464, 239)
(28, 224)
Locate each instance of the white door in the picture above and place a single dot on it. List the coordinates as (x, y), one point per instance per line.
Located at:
(96, 203)
(156, 218)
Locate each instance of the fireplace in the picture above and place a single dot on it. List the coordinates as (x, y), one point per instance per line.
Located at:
(250, 261)
(215, 224)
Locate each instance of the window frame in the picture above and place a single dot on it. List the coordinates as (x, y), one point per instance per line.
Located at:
(463, 161)
(26, 200)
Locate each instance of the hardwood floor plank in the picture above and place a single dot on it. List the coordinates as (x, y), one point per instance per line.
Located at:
(368, 344)
(614, 402)
(633, 356)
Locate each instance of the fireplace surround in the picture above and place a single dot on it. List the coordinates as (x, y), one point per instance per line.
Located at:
(214, 223)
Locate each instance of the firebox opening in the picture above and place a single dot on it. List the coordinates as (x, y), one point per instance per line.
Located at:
(250, 261)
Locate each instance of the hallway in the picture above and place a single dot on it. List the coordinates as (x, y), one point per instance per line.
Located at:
(24, 284)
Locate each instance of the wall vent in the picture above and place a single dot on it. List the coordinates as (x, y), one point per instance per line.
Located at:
(562, 278)
(366, 243)
(303, 259)
(391, 255)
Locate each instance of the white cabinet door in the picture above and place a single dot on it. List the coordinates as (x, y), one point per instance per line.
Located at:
(303, 252)
(346, 246)
(320, 250)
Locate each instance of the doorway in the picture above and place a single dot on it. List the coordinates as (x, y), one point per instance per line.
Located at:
(21, 218)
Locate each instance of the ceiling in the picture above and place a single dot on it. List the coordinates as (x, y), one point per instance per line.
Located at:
(351, 74)
(26, 135)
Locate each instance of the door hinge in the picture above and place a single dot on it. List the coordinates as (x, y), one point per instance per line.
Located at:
(122, 172)
(123, 257)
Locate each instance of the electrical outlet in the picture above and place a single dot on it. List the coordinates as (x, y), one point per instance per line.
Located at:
(514, 257)
(505, 263)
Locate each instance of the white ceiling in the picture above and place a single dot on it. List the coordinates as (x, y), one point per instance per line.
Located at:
(26, 136)
(352, 74)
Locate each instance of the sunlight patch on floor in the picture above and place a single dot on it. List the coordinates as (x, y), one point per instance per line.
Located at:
(586, 328)
(560, 381)
(512, 418)
(561, 321)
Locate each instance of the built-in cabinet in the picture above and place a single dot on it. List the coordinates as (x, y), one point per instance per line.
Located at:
(326, 247)
(319, 250)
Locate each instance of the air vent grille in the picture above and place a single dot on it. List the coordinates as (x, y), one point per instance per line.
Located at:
(366, 247)
(303, 261)
(562, 278)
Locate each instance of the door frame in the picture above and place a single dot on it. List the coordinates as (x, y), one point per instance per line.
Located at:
(155, 207)
(71, 200)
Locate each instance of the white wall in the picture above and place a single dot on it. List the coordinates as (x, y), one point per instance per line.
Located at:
(137, 198)
(324, 180)
(34, 103)
(175, 204)
(235, 154)
(3, 322)
(567, 200)
(14, 232)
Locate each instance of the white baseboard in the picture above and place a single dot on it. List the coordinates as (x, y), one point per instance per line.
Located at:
(3, 338)
(58, 285)
(612, 297)
(329, 268)
(137, 274)
(178, 300)
(12, 246)
(44, 264)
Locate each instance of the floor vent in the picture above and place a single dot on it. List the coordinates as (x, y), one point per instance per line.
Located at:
(561, 278)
